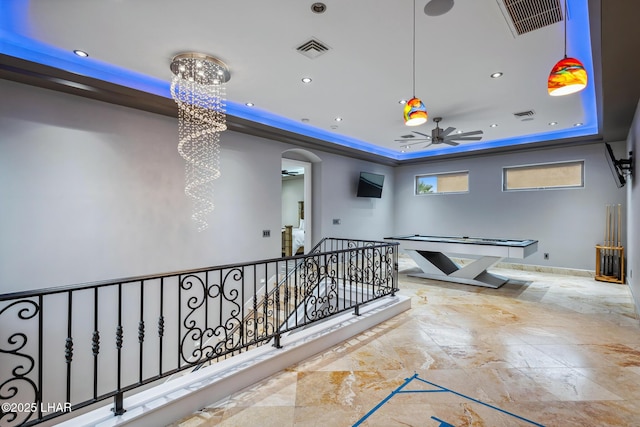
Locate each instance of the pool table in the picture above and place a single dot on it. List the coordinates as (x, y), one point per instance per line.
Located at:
(429, 253)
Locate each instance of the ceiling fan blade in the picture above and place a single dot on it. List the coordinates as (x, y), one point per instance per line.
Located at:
(423, 134)
(427, 145)
(448, 141)
(414, 143)
(474, 132)
(465, 138)
(447, 131)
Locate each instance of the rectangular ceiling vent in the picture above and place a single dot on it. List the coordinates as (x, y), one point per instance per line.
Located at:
(524, 16)
(524, 115)
(312, 48)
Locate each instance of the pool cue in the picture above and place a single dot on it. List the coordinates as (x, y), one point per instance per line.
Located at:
(618, 252)
(616, 256)
(608, 264)
(606, 242)
(611, 240)
(602, 250)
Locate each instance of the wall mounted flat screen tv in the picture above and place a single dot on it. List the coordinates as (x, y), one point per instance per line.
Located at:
(370, 185)
(614, 164)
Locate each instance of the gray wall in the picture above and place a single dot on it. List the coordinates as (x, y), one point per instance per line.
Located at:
(92, 191)
(633, 211)
(567, 223)
(335, 181)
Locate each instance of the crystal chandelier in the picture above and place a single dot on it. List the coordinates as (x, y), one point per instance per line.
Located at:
(198, 88)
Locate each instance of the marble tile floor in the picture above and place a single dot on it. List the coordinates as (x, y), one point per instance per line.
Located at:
(544, 349)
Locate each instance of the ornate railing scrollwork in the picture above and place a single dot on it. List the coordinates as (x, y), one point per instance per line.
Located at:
(211, 314)
(20, 386)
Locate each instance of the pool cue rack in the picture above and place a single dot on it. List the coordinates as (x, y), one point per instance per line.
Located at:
(610, 255)
(607, 252)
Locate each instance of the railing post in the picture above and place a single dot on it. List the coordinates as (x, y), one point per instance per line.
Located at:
(276, 340)
(118, 407)
(356, 310)
(394, 275)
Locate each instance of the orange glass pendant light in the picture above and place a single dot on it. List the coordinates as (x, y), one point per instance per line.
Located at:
(415, 113)
(568, 75)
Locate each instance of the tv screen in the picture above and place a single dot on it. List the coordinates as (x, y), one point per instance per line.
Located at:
(370, 185)
(618, 177)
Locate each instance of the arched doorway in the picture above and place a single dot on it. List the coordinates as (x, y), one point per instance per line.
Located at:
(296, 193)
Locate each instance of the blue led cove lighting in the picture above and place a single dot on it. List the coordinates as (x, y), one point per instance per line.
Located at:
(15, 41)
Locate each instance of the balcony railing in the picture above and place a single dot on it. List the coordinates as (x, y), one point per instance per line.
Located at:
(62, 349)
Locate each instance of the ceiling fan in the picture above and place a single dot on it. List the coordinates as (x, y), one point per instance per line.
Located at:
(443, 136)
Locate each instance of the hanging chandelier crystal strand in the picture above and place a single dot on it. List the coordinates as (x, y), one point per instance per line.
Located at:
(198, 89)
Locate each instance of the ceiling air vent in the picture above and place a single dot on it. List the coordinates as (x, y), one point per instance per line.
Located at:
(524, 16)
(312, 48)
(524, 115)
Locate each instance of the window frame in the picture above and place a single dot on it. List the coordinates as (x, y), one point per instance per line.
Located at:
(436, 174)
(581, 162)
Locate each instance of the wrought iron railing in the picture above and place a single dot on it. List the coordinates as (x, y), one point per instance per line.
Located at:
(62, 349)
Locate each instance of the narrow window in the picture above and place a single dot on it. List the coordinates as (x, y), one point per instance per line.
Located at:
(441, 183)
(543, 176)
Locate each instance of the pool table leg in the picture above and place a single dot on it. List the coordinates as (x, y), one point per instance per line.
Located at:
(436, 265)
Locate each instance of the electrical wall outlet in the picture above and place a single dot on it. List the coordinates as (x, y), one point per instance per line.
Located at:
(266, 233)
(546, 255)
(336, 221)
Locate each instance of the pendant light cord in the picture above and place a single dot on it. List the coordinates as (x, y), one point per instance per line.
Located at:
(566, 15)
(414, 48)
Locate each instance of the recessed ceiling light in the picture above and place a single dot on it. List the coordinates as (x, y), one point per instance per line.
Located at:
(553, 123)
(577, 124)
(318, 7)
(493, 125)
(402, 101)
(459, 131)
(338, 119)
(496, 75)
(81, 53)
(249, 104)
(306, 80)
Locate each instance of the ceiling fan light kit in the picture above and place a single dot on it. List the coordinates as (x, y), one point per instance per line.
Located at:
(568, 75)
